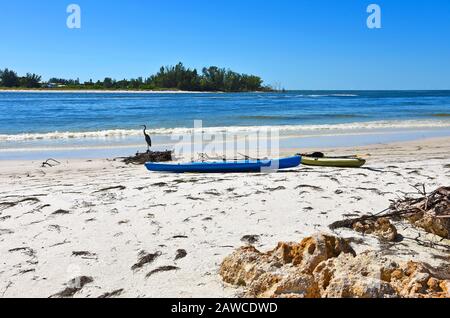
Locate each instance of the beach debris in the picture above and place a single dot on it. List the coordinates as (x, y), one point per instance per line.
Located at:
(151, 156)
(61, 243)
(192, 198)
(50, 163)
(303, 186)
(10, 204)
(160, 184)
(115, 293)
(60, 212)
(275, 189)
(84, 254)
(5, 231)
(162, 269)
(73, 287)
(250, 239)
(326, 266)
(180, 254)
(119, 187)
(213, 192)
(10, 283)
(29, 252)
(144, 259)
(431, 212)
(25, 250)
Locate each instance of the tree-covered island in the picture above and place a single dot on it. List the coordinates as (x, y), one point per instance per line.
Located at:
(178, 77)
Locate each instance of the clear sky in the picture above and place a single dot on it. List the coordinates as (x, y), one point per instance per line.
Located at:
(299, 44)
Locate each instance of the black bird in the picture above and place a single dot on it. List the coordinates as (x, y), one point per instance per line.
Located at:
(147, 139)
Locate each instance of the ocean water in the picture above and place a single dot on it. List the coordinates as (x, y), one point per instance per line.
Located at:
(42, 122)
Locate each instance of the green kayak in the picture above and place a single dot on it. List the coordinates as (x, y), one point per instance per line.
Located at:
(344, 162)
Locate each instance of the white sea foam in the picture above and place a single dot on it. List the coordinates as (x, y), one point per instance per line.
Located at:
(331, 95)
(319, 128)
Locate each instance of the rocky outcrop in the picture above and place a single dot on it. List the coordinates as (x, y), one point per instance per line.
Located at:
(370, 275)
(326, 266)
(431, 224)
(284, 272)
(383, 228)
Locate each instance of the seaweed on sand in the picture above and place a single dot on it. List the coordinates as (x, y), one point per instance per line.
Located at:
(162, 269)
(73, 287)
(151, 156)
(145, 258)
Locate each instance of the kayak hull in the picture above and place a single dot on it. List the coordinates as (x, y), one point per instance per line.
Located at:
(226, 166)
(334, 162)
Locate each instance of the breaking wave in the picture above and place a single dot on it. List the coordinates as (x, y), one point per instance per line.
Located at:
(122, 133)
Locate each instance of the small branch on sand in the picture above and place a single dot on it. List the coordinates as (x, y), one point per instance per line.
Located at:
(50, 163)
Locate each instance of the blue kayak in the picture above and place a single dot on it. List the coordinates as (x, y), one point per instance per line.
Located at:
(226, 166)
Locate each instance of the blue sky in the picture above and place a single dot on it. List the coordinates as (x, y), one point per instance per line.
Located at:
(299, 44)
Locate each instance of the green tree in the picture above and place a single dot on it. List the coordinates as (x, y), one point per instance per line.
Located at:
(9, 78)
(108, 83)
(30, 81)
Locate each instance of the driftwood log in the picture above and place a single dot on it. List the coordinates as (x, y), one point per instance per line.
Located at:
(428, 211)
(152, 156)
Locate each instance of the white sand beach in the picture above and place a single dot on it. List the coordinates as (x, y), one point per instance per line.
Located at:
(97, 218)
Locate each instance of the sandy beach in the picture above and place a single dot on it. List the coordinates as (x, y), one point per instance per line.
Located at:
(98, 218)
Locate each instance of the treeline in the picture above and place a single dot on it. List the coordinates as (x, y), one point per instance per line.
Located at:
(9, 78)
(176, 77)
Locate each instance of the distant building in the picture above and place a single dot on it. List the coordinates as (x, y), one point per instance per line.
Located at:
(49, 85)
(52, 85)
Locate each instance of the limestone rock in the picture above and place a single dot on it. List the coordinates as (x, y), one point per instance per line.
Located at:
(284, 272)
(431, 224)
(326, 266)
(383, 228)
(355, 277)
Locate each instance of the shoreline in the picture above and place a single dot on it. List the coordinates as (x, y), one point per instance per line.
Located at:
(286, 151)
(97, 91)
(93, 91)
(288, 145)
(43, 90)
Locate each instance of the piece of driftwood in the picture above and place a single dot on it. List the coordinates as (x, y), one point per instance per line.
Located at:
(50, 163)
(152, 156)
(427, 211)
